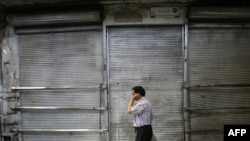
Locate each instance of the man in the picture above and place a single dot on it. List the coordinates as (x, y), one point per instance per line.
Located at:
(141, 109)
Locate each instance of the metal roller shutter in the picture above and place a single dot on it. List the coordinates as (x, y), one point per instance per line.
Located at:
(151, 57)
(219, 78)
(60, 92)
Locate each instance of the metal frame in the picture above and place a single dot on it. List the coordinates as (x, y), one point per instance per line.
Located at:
(56, 88)
(60, 108)
(57, 29)
(106, 75)
(60, 130)
(217, 85)
(17, 83)
(223, 108)
(186, 98)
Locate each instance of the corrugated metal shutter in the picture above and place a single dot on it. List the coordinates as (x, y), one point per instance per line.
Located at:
(218, 57)
(151, 57)
(61, 60)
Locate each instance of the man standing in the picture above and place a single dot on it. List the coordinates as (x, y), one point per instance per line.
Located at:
(141, 109)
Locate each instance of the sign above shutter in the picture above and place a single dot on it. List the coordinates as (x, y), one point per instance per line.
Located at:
(56, 18)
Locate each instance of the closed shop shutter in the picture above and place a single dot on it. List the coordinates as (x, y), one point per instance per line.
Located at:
(60, 92)
(150, 57)
(219, 77)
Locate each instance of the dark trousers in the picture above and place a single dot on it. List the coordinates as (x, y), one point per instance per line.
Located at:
(144, 133)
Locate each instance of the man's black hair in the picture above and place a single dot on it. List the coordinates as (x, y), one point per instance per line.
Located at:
(139, 89)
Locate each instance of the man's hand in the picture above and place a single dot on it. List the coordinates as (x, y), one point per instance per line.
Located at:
(136, 96)
(131, 102)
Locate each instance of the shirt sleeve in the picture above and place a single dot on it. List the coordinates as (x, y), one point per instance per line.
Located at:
(138, 109)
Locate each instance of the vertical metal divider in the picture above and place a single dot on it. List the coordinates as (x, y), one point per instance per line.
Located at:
(18, 93)
(1, 95)
(186, 98)
(100, 112)
(106, 78)
(183, 63)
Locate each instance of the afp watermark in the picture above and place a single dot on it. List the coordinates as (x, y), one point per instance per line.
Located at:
(236, 132)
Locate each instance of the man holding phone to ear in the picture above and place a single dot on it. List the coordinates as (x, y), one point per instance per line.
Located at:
(141, 109)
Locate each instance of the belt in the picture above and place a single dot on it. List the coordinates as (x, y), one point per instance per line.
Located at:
(143, 126)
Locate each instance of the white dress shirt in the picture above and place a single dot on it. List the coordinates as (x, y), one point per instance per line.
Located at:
(142, 112)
